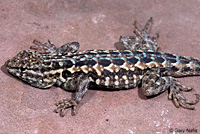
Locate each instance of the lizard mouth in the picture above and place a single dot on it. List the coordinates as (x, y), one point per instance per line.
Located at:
(7, 63)
(22, 71)
(13, 69)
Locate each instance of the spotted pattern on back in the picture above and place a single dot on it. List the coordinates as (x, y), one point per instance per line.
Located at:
(103, 65)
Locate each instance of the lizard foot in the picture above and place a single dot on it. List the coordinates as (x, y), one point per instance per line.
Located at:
(142, 41)
(178, 99)
(43, 47)
(49, 48)
(64, 104)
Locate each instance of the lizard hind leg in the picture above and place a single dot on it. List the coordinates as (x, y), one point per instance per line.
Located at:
(142, 41)
(139, 31)
(49, 48)
(154, 83)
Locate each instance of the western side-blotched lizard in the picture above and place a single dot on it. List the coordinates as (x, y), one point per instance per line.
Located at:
(140, 64)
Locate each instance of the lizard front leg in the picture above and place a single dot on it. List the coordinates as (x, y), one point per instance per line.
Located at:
(153, 83)
(80, 85)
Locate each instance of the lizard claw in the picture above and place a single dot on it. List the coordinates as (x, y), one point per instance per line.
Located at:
(179, 99)
(64, 104)
(43, 48)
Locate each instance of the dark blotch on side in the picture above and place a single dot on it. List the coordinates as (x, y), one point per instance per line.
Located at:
(103, 53)
(132, 60)
(57, 74)
(91, 62)
(174, 68)
(80, 63)
(126, 52)
(186, 69)
(146, 59)
(184, 60)
(195, 60)
(88, 62)
(154, 53)
(114, 52)
(47, 63)
(67, 64)
(170, 55)
(56, 65)
(42, 70)
(65, 74)
(118, 61)
(51, 75)
(36, 69)
(198, 69)
(172, 60)
(159, 59)
(104, 62)
(82, 56)
(122, 72)
(138, 53)
(106, 73)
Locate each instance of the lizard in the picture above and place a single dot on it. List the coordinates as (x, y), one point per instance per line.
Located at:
(139, 64)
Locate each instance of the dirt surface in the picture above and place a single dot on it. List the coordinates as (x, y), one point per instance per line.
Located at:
(95, 24)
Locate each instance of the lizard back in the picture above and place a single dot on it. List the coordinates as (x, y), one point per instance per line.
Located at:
(110, 68)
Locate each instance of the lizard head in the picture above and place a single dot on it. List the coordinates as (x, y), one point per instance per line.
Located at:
(27, 65)
(24, 60)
